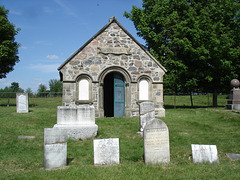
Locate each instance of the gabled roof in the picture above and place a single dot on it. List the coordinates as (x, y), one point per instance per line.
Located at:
(111, 20)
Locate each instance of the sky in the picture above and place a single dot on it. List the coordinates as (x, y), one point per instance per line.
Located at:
(52, 30)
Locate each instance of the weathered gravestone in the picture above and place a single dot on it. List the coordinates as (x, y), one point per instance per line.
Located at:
(55, 148)
(156, 142)
(22, 102)
(233, 156)
(234, 97)
(106, 151)
(78, 121)
(204, 153)
(146, 113)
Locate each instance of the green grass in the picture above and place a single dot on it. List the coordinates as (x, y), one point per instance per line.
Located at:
(23, 159)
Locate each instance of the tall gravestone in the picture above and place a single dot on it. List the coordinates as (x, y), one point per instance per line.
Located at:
(234, 97)
(204, 153)
(156, 142)
(78, 121)
(55, 148)
(146, 113)
(22, 102)
(106, 151)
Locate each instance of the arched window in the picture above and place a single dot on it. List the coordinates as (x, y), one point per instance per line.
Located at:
(143, 90)
(83, 89)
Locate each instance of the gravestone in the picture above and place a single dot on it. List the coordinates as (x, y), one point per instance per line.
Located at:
(146, 113)
(26, 137)
(156, 142)
(22, 102)
(78, 121)
(233, 102)
(204, 153)
(233, 156)
(106, 151)
(55, 148)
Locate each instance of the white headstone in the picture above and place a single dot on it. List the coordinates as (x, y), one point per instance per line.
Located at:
(106, 151)
(146, 113)
(77, 115)
(156, 142)
(55, 148)
(22, 102)
(204, 153)
(78, 121)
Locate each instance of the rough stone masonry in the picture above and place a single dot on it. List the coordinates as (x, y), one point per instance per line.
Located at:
(112, 50)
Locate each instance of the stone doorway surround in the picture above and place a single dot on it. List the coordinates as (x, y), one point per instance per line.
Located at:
(101, 78)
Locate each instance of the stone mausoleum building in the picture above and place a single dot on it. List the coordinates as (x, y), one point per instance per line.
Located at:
(114, 72)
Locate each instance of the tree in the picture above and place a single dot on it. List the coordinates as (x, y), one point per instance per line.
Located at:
(14, 86)
(29, 91)
(198, 42)
(42, 89)
(8, 46)
(55, 86)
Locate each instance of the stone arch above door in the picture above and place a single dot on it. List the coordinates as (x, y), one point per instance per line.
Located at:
(118, 69)
(127, 78)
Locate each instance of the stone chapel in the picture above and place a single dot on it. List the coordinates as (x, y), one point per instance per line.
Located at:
(114, 72)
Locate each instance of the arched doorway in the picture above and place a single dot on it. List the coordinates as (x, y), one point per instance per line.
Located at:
(114, 95)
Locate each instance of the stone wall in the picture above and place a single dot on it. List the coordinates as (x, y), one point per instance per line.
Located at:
(113, 50)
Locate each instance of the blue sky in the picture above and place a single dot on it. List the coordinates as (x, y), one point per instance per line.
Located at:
(52, 30)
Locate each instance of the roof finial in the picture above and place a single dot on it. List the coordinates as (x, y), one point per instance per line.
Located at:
(112, 19)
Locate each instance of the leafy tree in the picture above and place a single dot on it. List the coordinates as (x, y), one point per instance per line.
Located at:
(8, 46)
(55, 86)
(29, 91)
(42, 90)
(198, 42)
(14, 86)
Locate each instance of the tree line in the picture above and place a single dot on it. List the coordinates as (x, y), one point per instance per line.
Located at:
(55, 89)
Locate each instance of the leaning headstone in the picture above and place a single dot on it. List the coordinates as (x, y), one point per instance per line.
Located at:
(78, 121)
(106, 151)
(22, 102)
(55, 148)
(146, 113)
(204, 153)
(156, 142)
(233, 156)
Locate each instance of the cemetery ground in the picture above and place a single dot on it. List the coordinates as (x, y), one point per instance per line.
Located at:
(23, 158)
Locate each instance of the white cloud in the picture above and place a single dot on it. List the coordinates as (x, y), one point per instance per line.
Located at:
(65, 8)
(15, 12)
(24, 47)
(43, 42)
(45, 68)
(52, 57)
(47, 10)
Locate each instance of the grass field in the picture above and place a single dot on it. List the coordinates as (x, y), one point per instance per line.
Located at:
(23, 159)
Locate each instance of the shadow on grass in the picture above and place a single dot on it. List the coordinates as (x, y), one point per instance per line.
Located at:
(189, 107)
(6, 105)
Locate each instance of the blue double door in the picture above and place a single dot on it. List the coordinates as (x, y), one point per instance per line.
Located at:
(114, 95)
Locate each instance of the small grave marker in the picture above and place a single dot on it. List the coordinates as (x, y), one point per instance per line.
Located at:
(204, 153)
(26, 137)
(233, 156)
(106, 151)
(22, 102)
(55, 148)
(156, 142)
